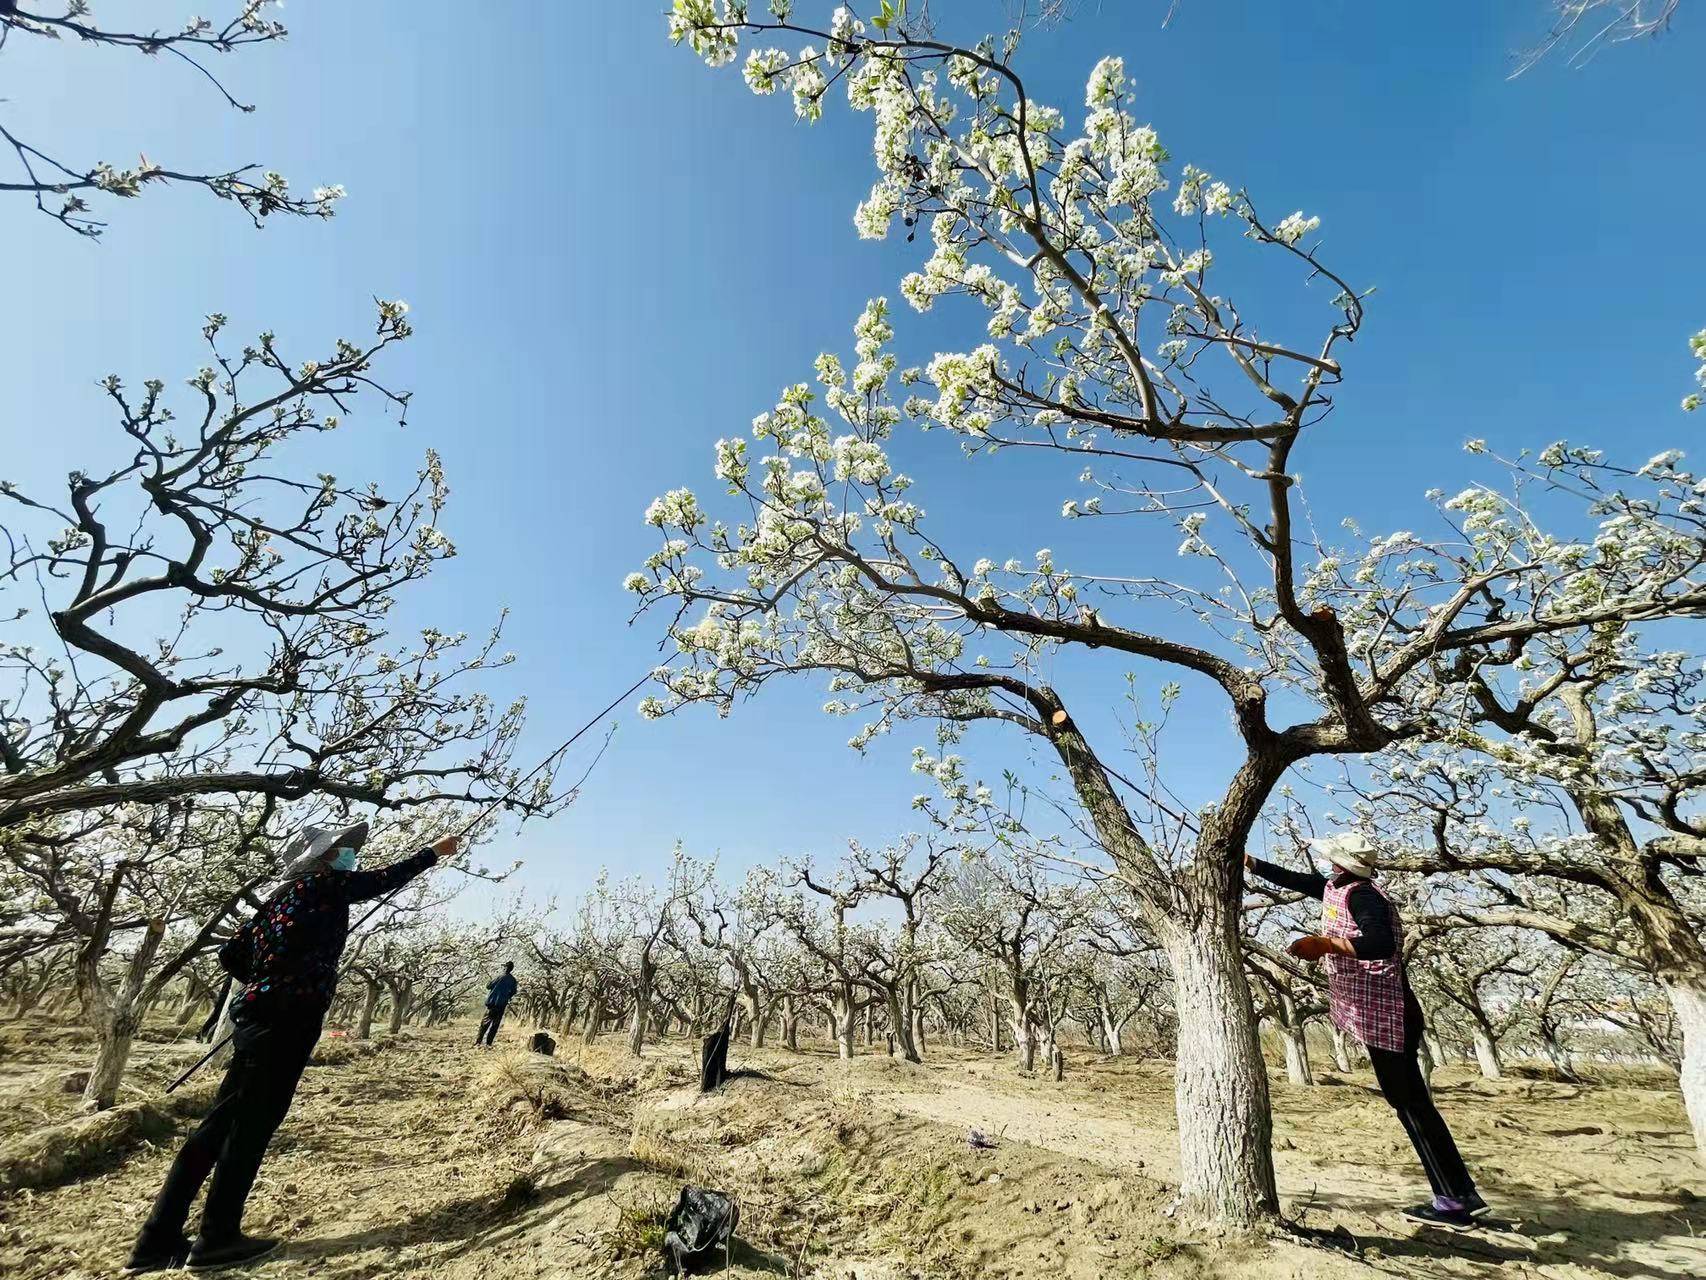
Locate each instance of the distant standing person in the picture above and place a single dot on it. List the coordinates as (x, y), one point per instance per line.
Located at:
(1369, 996)
(499, 992)
(287, 958)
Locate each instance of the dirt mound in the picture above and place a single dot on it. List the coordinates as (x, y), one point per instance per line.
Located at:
(531, 1089)
(78, 1147)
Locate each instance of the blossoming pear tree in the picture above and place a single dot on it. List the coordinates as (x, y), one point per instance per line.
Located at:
(1114, 339)
(61, 188)
(218, 619)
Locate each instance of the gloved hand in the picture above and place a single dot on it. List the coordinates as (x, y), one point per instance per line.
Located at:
(1311, 947)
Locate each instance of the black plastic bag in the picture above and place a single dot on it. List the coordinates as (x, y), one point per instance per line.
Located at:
(702, 1222)
(543, 1043)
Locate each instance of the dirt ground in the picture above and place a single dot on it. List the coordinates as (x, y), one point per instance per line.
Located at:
(424, 1156)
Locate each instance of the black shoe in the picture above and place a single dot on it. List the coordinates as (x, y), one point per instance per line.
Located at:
(1475, 1206)
(1427, 1214)
(149, 1255)
(237, 1252)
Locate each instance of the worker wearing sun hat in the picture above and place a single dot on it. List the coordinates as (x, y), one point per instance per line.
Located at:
(287, 956)
(1369, 996)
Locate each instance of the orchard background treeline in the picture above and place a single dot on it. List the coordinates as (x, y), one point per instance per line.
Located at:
(887, 950)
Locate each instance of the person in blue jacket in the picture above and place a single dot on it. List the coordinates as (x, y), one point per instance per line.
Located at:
(499, 992)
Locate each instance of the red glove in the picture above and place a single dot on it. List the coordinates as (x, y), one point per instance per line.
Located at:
(1311, 947)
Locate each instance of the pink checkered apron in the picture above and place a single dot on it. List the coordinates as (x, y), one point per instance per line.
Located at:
(1366, 997)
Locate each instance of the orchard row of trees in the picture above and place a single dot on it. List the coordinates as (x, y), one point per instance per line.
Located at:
(122, 912)
(895, 949)
(1005, 949)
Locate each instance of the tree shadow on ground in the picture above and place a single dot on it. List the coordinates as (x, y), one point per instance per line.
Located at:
(481, 1222)
(1535, 1230)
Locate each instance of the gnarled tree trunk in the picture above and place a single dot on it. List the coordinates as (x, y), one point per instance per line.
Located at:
(1486, 1052)
(371, 989)
(399, 1004)
(1341, 1048)
(115, 1016)
(1296, 1047)
(642, 1005)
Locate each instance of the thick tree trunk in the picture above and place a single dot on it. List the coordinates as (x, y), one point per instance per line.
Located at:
(1487, 1053)
(642, 1005)
(369, 1006)
(1674, 949)
(1341, 1049)
(900, 1027)
(1050, 1049)
(399, 1005)
(1296, 1048)
(113, 1039)
(752, 1000)
(1113, 1032)
(1025, 1037)
(115, 1015)
(1555, 1052)
(1678, 959)
(1436, 1050)
(194, 994)
(1024, 1026)
(1296, 1057)
(843, 1019)
(1221, 1088)
(1689, 1002)
(1221, 1083)
(844, 1035)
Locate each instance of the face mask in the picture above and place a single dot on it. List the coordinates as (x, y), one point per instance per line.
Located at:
(345, 861)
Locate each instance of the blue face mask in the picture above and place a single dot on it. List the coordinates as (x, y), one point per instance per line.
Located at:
(345, 861)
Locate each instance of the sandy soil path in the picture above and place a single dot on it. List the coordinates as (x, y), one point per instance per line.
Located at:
(1588, 1182)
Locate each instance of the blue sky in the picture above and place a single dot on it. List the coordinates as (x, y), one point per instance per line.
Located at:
(615, 256)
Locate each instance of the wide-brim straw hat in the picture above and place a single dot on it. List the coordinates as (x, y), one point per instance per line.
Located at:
(1348, 851)
(308, 848)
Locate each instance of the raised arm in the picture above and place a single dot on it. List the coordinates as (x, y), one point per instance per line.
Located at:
(1307, 883)
(360, 886)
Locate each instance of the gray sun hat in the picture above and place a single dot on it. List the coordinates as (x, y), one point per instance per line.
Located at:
(308, 848)
(1348, 851)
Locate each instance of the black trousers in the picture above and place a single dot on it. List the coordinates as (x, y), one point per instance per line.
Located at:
(253, 1099)
(489, 1024)
(1401, 1082)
